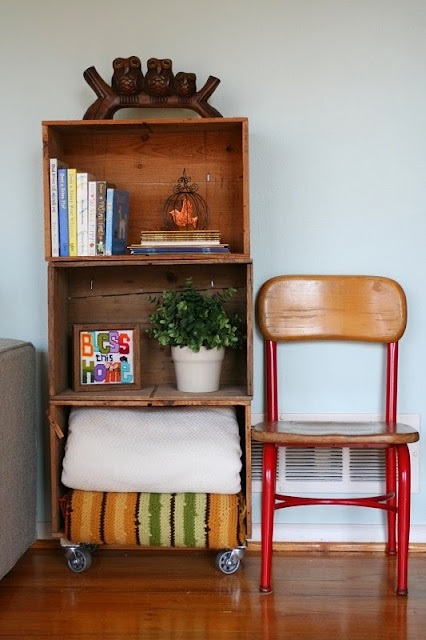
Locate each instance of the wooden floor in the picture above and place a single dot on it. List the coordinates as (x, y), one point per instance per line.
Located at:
(179, 595)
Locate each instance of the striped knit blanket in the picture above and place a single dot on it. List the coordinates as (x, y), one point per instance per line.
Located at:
(203, 520)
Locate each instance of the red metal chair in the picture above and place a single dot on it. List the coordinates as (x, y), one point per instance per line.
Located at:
(349, 308)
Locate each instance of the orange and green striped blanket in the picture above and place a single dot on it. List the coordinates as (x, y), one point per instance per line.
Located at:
(200, 520)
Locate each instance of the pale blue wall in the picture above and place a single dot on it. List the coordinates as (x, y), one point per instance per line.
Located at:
(335, 91)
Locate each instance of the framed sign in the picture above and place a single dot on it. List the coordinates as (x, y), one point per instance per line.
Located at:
(106, 356)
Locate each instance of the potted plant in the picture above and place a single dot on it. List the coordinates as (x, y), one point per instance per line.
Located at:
(198, 329)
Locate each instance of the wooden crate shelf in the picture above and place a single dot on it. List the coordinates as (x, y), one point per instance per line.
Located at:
(147, 157)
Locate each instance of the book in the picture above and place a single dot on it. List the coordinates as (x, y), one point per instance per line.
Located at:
(91, 217)
(54, 165)
(179, 243)
(72, 210)
(63, 213)
(204, 235)
(137, 249)
(117, 220)
(101, 189)
(82, 184)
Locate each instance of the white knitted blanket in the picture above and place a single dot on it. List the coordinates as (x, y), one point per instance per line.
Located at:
(153, 449)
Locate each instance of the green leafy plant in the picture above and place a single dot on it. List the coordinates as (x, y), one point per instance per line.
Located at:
(187, 318)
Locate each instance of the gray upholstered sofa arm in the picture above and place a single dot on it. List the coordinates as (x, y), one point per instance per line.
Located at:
(17, 451)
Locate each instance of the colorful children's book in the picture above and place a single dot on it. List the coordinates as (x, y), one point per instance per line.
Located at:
(72, 211)
(63, 213)
(117, 220)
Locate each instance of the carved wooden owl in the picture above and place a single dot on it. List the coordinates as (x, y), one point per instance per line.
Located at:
(185, 84)
(159, 79)
(128, 77)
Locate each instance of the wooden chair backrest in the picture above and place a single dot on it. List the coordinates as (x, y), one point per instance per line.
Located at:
(362, 308)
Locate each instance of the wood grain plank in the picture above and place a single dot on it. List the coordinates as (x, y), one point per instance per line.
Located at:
(180, 595)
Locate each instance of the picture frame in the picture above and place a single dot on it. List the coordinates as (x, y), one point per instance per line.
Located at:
(106, 356)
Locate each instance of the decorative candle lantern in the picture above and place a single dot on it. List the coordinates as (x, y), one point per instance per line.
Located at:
(185, 209)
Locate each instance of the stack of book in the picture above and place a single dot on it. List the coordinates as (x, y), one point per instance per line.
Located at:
(167, 242)
(88, 217)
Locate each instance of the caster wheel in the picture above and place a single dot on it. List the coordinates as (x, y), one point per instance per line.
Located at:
(91, 548)
(227, 562)
(78, 559)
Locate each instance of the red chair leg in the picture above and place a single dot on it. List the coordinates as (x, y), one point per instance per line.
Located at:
(404, 489)
(391, 487)
(268, 509)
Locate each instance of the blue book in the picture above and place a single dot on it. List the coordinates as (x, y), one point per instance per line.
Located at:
(117, 222)
(63, 213)
(185, 249)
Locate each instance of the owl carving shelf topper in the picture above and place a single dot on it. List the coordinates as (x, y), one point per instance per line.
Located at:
(158, 88)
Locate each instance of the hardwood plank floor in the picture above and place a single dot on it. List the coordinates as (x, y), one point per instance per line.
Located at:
(180, 595)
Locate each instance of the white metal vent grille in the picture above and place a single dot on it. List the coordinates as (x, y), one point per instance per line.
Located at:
(313, 464)
(338, 470)
(367, 465)
(325, 470)
(256, 464)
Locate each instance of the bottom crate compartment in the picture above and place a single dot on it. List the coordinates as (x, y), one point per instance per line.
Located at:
(161, 508)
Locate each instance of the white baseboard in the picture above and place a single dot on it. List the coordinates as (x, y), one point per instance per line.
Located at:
(335, 533)
(308, 533)
(44, 531)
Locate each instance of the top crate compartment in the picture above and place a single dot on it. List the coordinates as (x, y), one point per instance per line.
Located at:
(147, 158)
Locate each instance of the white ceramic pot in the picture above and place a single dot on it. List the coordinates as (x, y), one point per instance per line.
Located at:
(198, 372)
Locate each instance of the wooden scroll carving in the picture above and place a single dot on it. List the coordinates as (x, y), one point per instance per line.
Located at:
(159, 88)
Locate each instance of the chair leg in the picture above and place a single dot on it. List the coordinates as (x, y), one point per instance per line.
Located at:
(391, 487)
(404, 489)
(268, 509)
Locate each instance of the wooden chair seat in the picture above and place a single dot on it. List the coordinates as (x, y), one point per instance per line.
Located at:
(342, 434)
